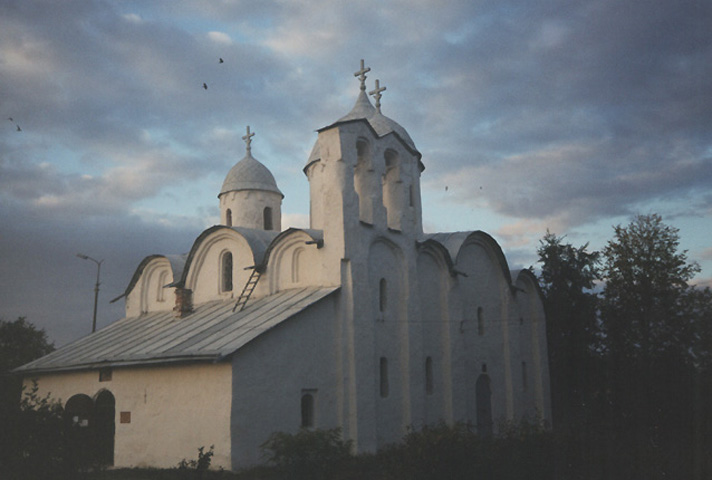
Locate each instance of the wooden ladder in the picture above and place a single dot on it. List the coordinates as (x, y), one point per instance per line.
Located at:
(247, 291)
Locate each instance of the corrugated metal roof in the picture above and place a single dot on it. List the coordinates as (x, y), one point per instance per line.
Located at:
(211, 332)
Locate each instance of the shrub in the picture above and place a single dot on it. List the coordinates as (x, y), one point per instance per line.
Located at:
(202, 464)
(312, 454)
(33, 443)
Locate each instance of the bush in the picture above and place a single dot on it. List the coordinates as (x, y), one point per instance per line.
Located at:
(308, 454)
(33, 443)
(201, 465)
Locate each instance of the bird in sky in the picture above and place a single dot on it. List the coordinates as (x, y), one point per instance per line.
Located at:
(18, 128)
(205, 86)
(222, 61)
(10, 118)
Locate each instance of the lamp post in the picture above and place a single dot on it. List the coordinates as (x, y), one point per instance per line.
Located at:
(96, 287)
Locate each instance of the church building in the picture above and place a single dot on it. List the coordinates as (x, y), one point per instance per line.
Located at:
(361, 321)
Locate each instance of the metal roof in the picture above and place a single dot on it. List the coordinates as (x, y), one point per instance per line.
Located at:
(211, 332)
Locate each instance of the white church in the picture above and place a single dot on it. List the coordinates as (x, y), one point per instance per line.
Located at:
(362, 321)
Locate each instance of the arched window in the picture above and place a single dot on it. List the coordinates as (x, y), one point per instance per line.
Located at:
(480, 321)
(429, 376)
(383, 370)
(228, 218)
(382, 295)
(307, 410)
(267, 214)
(226, 272)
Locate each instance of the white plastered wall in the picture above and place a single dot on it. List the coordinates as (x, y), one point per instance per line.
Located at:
(174, 410)
(271, 373)
(247, 208)
(484, 287)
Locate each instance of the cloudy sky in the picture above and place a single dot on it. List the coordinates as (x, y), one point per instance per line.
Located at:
(568, 115)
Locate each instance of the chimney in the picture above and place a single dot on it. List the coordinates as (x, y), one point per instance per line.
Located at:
(184, 302)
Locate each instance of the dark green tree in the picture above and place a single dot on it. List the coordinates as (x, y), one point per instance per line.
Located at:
(20, 343)
(568, 278)
(645, 308)
(654, 332)
(31, 434)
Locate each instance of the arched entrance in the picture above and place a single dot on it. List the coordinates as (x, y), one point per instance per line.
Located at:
(78, 421)
(90, 428)
(104, 427)
(483, 392)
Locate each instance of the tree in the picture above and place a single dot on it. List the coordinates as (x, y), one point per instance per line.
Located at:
(20, 343)
(654, 331)
(31, 433)
(644, 310)
(568, 277)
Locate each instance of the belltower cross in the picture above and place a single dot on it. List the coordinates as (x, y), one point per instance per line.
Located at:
(361, 74)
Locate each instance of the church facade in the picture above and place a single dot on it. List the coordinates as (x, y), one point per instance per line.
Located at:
(362, 321)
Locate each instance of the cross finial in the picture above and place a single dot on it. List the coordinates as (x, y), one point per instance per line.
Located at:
(361, 74)
(377, 95)
(248, 139)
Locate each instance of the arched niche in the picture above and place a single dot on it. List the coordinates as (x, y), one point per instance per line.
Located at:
(393, 190)
(366, 182)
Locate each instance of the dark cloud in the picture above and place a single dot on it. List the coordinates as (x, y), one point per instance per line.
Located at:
(567, 113)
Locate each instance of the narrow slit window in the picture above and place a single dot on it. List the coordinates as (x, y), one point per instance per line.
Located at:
(480, 321)
(524, 376)
(383, 367)
(226, 268)
(228, 218)
(267, 213)
(429, 376)
(382, 295)
(307, 410)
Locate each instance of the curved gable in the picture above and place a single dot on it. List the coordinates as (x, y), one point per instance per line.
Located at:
(526, 281)
(203, 273)
(150, 287)
(291, 259)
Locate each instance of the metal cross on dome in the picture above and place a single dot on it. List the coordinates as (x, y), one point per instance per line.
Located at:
(361, 74)
(377, 94)
(248, 139)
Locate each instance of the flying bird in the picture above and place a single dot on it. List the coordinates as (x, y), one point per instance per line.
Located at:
(205, 86)
(19, 129)
(222, 61)
(10, 118)
(446, 188)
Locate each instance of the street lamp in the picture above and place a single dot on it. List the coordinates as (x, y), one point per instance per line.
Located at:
(96, 288)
